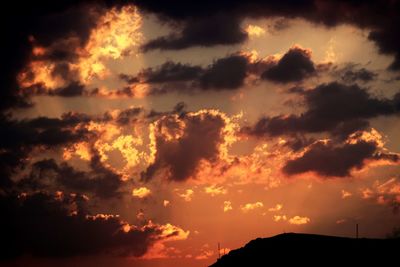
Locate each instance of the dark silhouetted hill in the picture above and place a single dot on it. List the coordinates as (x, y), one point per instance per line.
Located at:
(314, 250)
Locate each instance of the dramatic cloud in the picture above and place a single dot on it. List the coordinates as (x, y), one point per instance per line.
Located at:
(329, 108)
(66, 66)
(181, 143)
(329, 159)
(328, 13)
(208, 31)
(19, 137)
(170, 72)
(58, 225)
(100, 181)
(294, 66)
(227, 73)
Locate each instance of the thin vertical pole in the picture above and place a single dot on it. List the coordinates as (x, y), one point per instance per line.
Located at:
(357, 230)
(219, 251)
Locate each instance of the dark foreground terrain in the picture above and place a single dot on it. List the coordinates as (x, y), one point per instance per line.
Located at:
(314, 250)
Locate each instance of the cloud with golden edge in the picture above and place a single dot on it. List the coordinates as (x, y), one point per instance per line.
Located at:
(254, 30)
(384, 193)
(166, 203)
(215, 190)
(187, 195)
(251, 206)
(346, 194)
(168, 232)
(277, 207)
(205, 253)
(227, 206)
(141, 192)
(278, 218)
(298, 220)
(117, 34)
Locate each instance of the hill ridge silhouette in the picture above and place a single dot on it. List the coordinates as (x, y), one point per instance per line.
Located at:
(313, 250)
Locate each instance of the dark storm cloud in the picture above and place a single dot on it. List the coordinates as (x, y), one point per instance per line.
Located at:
(351, 74)
(334, 107)
(47, 174)
(335, 160)
(379, 16)
(294, 66)
(19, 137)
(209, 31)
(178, 159)
(48, 22)
(227, 73)
(204, 23)
(43, 225)
(129, 115)
(73, 89)
(171, 72)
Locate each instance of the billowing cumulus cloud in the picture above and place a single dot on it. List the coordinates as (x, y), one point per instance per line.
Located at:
(330, 159)
(329, 108)
(181, 143)
(67, 65)
(295, 65)
(97, 139)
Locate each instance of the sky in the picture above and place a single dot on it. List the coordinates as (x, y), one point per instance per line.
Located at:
(144, 133)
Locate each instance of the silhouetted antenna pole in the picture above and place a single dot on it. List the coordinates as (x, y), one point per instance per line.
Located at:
(219, 251)
(357, 230)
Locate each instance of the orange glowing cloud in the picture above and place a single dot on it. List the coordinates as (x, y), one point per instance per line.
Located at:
(277, 207)
(227, 206)
(214, 190)
(298, 220)
(166, 203)
(384, 193)
(187, 195)
(167, 233)
(251, 206)
(116, 35)
(346, 194)
(141, 192)
(254, 30)
(278, 218)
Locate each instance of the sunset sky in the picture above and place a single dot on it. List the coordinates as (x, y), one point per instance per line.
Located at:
(142, 133)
